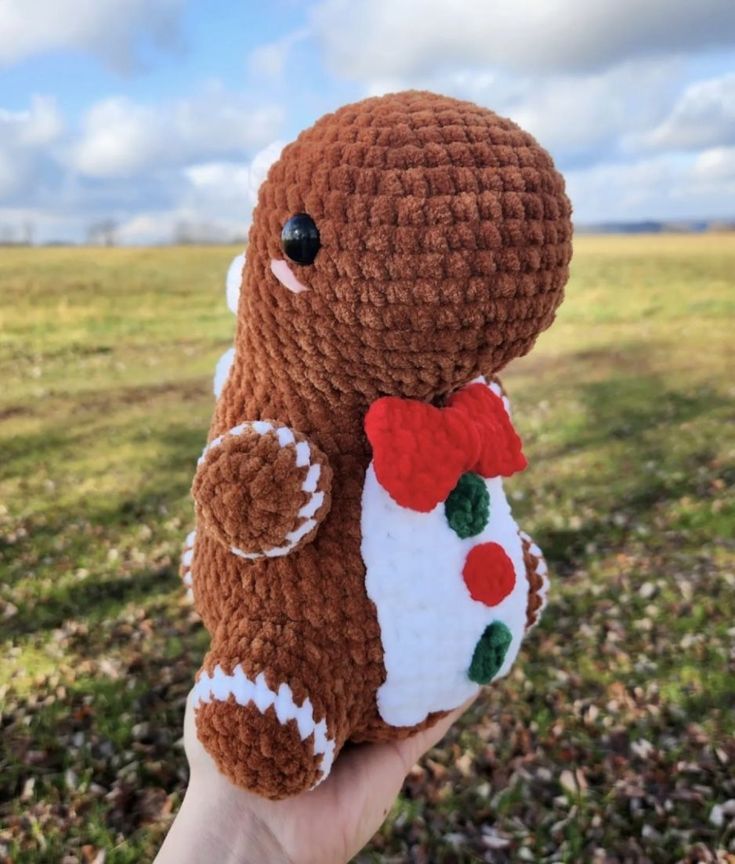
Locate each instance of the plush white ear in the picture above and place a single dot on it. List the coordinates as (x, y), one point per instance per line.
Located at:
(234, 278)
(222, 371)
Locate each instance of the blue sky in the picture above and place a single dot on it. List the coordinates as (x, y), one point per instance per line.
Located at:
(163, 115)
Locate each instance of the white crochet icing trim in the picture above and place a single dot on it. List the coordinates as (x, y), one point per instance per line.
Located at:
(187, 556)
(494, 387)
(222, 371)
(220, 686)
(233, 282)
(543, 572)
(315, 500)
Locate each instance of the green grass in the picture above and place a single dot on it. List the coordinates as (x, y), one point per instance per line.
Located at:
(615, 734)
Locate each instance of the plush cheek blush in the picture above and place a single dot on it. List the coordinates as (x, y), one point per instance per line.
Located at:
(284, 274)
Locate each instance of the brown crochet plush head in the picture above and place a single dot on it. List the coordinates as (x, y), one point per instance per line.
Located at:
(355, 559)
(444, 244)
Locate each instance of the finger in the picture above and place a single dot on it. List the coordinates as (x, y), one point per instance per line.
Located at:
(382, 768)
(200, 762)
(414, 747)
(366, 780)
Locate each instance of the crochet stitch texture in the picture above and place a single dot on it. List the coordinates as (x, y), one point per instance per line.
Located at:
(445, 239)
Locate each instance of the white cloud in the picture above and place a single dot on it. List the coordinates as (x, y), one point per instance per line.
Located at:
(121, 138)
(38, 125)
(24, 136)
(149, 171)
(703, 116)
(8, 177)
(109, 29)
(716, 165)
(214, 201)
(606, 97)
(367, 39)
(226, 181)
(573, 114)
(269, 60)
(179, 225)
(40, 222)
(580, 118)
(588, 79)
(666, 186)
(223, 180)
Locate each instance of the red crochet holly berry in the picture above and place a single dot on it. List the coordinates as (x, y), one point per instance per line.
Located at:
(488, 573)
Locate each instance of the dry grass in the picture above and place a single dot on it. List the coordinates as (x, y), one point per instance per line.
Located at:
(612, 741)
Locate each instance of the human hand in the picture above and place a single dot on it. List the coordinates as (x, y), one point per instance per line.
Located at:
(219, 822)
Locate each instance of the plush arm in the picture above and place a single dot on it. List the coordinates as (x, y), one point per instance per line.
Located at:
(262, 489)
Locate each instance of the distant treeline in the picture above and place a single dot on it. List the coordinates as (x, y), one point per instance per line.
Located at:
(105, 232)
(652, 226)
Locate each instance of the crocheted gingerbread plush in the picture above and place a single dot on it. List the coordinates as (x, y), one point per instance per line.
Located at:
(355, 559)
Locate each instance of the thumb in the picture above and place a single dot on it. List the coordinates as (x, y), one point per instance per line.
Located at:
(382, 767)
(414, 747)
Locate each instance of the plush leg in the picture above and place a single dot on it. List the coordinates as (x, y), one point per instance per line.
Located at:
(269, 731)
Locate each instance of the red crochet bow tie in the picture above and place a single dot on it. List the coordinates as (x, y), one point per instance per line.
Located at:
(420, 452)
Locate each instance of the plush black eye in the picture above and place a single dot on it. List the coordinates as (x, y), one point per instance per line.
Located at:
(300, 239)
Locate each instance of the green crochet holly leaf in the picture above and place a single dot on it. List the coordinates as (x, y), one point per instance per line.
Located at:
(489, 653)
(468, 506)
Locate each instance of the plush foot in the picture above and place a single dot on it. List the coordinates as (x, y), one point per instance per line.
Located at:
(263, 738)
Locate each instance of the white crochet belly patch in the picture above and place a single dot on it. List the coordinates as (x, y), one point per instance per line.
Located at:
(430, 624)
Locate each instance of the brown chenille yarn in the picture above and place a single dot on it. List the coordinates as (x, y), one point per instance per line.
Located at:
(248, 491)
(445, 242)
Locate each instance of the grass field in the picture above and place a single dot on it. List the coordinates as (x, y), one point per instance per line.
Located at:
(614, 738)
